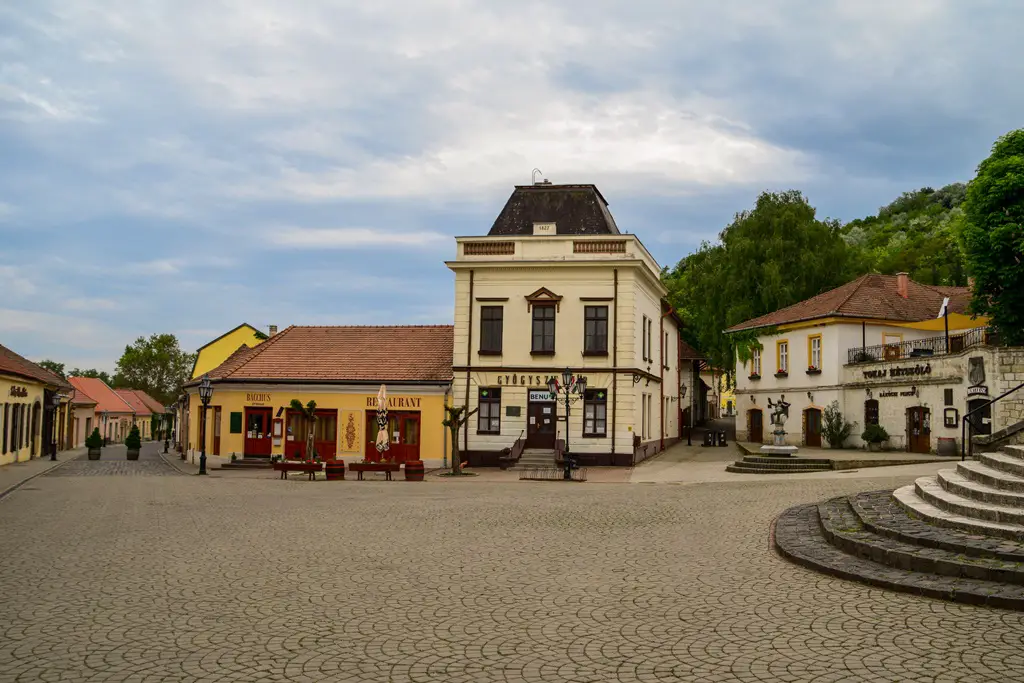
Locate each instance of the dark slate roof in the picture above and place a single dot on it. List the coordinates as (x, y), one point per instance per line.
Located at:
(574, 209)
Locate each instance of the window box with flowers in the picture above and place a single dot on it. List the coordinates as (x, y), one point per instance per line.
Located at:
(811, 370)
(781, 373)
(754, 377)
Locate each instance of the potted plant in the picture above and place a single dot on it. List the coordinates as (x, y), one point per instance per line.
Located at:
(874, 435)
(234, 457)
(94, 443)
(811, 370)
(133, 443)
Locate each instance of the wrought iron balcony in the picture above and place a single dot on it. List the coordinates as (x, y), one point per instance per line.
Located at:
(918, 348)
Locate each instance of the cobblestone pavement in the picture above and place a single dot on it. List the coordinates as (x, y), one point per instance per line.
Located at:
(180, 578)
(114, 462)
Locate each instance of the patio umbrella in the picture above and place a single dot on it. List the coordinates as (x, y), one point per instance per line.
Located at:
(382, 420)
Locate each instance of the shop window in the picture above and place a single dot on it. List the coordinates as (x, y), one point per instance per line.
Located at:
(871, 412)
(595, 412)
(489, 415)
(543, 330)
(491, 322)
(595, 330)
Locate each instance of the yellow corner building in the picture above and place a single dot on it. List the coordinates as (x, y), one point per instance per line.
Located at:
(341, 368)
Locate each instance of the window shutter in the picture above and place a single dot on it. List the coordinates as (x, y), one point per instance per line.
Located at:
(236, 423)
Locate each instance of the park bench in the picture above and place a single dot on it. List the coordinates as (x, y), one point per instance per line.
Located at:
(310, 468)
(386, 467)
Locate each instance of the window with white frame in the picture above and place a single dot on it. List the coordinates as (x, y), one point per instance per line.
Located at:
(816, 352)
(783, 354)
(755, 362)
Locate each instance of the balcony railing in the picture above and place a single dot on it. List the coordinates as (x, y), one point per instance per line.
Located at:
(489, 248)
(918, 348)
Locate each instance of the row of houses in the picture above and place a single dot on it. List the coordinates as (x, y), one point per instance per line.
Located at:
(41, 412)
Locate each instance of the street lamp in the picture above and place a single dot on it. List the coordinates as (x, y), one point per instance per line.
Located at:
(570, 385)
(55, 405)
(205, 394)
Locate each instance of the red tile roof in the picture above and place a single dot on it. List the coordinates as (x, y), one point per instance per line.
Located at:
(13, 364)
(154, 405)
(79, 398)
(129, 396)
(106, 400)
(869, 296)
(345, 354)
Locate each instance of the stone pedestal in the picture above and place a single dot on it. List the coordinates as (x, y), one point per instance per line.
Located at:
(778, 451)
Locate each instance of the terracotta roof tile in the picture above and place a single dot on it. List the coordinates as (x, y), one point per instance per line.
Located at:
(79, 398)
(96, 389)
(154, 405)
(869, 296)
(346, 354)
(13, 364)
(687, 352)
(130, 397)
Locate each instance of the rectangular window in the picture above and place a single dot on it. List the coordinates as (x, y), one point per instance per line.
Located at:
(489, 416)
(814, 352)
(650, 341)
(664, 352)
(643, 337)
(544, 329)
(755, 362)
(490, 329)
(871, 412)
(643, 416)
(595, 330)
(947, 395)
(782, 355)
(7, 407)
(595, 412)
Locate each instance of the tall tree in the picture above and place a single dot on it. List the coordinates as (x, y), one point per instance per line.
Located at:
(54, 367)
(157, 365)
(94, 373)
(993, 237)
(770, 257)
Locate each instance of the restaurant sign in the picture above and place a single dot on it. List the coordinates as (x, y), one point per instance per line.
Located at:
(893, 373)
(21, 392)
(395, 402)
(257, 399)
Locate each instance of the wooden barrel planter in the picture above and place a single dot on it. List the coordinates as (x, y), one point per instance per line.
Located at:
(335, 470)
(414, 470)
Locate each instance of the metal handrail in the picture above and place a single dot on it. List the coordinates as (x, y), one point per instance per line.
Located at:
(967, 426)
(518, 443)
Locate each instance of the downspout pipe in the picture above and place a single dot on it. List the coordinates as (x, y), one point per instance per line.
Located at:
(661, 369)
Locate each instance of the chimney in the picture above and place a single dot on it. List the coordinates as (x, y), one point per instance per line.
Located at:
(901, 284)
(273, 330)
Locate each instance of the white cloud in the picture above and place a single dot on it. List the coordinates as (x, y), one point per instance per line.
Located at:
(351, 238)
(16, 282)
(90, 304)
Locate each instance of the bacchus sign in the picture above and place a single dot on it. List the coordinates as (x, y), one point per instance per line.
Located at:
(893, 373)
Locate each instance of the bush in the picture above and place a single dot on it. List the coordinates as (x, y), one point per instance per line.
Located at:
(874, 434)
(835, 429)
(134, 441)
(94, 440)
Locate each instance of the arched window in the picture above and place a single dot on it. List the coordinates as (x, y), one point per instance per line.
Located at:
(870, 412)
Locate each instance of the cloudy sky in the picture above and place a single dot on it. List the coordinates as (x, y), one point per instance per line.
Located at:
(185, 166)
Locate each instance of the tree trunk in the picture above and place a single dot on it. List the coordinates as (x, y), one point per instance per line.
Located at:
(456, 459)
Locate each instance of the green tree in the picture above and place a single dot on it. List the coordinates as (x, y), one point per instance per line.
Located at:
(834, 427)
(993, 237)
(768, 258)
(156, 365)
(308, 411)
(455, 421)
(54, 367)
(94, 373)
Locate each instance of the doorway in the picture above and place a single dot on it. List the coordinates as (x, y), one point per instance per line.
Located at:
(216, 430)
(755, 426)
(403, 437)
(540, 425)
(257, 432)
(812, 428)
(981, 421)
(919, 430)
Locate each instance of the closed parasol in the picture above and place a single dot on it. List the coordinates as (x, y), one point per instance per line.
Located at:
(382, 421)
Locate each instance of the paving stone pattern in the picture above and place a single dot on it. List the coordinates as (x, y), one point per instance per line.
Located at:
(114, 462)
(111, 578)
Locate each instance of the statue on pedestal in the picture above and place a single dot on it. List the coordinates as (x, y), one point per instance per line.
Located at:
(779, 415)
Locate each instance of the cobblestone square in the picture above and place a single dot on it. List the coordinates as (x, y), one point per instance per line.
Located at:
(180, 578)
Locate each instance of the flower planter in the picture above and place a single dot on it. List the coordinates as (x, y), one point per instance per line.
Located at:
(414, 470)
(94, 453)
(874, 446)
(780, 375)
(754, 378)
(813, 371)
(133, 454)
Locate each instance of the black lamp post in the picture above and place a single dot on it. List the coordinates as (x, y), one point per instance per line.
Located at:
(55, 404)
(570, 385)
(205, 394)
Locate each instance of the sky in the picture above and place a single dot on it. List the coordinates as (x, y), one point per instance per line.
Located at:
(187, 166)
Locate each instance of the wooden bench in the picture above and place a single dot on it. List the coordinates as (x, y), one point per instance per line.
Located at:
(310, 468)
(386, 467)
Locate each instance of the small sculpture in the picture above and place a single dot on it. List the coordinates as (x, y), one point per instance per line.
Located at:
(780, 413)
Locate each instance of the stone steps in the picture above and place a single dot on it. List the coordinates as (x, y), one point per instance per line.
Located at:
(989, 476)
(748, 468)
(956, 483)
(761, 464)
(907, 497)
(1003, 462)
(782, 460)
(928, 489)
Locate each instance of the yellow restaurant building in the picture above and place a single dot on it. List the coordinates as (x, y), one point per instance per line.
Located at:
(28, 423)
(342, 369)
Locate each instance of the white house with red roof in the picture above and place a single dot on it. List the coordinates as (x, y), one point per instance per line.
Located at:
(879, 347)
(112, 414)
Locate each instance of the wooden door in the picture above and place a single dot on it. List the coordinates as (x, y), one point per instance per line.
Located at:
(540, 425)
(325, 439)
(295, 436)
(981, 420)
(812, 428)
(409, 435)
(216, 430)
(257, 431)
(918, 430)
(756, 429)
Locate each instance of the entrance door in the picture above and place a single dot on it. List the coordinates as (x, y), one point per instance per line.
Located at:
(540, 425)
(756, 430)
(812, 428)
(216, 430)
(919, 430)
(325, 437)
(257, 431)
(981, 420)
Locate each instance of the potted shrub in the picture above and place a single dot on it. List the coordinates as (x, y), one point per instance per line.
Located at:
(874, 435)
(94, 443)
(133, 443)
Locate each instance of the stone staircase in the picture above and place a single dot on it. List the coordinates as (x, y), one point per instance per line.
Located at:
(958, 535)
(778, 464)
(535, 458)
(248, 462)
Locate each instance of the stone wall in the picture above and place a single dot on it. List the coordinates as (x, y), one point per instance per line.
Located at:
(1010, 410)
